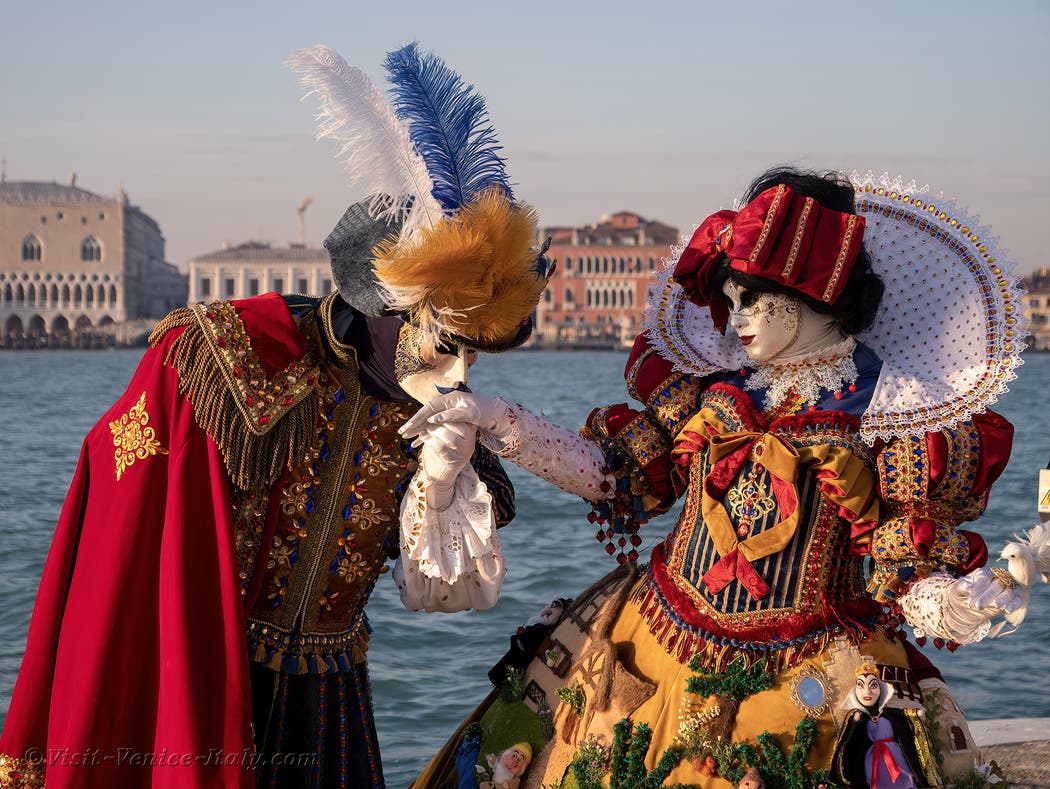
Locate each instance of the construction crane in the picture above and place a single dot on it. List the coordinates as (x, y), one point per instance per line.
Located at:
(300, 211)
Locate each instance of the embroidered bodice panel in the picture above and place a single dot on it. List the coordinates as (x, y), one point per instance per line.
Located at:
(336, 523)
(760, 547)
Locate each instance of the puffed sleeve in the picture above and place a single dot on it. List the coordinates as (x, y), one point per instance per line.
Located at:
(930, 485)
(637, 441)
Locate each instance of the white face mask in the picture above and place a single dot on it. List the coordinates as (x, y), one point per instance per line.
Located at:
(426, 375)
(776, 326)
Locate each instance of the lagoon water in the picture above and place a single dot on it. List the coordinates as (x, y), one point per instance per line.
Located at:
(429, 670)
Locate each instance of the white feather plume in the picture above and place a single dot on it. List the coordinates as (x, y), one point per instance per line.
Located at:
(374, 145)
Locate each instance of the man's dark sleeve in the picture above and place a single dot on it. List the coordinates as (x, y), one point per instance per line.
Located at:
(491, 472)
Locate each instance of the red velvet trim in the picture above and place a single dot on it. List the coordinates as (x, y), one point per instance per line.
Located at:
(273, 333)
(997, 435)
(978, 551)
(923, 535)
(653, 372)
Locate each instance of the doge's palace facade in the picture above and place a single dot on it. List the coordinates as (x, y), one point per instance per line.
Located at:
(78, 269)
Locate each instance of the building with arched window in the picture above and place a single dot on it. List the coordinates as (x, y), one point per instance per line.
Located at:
(78, 268)
(597, 293)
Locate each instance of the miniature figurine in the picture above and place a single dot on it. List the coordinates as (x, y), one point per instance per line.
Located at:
(752, 780)
(882, 753)
(508, 767)
(527, 640)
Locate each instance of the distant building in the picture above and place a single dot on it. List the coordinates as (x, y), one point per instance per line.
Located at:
(249, 269)
(597, 294)
(1037, 309)
(78, 269)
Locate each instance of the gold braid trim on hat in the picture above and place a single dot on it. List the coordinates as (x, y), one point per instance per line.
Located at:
(472, 274)
(261, 425)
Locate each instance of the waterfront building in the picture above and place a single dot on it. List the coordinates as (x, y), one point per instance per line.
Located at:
(1037, 308)
(597, 294)
(237, 272)
(78, 269)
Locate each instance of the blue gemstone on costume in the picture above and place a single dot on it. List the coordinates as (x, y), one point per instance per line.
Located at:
(309, 507)
(339, 395)
(325, 451)
(374, 410)
(346, 512)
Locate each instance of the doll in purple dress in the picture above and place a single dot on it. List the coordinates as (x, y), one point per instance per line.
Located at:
(877, 745)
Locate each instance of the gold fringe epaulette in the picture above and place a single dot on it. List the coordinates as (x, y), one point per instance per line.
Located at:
(261, 425)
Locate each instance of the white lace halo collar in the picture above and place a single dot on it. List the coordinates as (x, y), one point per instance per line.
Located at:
(950, 329)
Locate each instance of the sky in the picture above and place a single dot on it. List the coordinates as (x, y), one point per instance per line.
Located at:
(664, 108)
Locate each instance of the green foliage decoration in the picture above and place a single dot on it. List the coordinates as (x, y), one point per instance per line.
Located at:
(779, 770)
(573, 696)
(513, 687)
(736, 683)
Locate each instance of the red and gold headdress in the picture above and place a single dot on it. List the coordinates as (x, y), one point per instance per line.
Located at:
(780, 236)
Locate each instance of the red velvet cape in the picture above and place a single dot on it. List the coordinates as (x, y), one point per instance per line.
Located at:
(136, 666)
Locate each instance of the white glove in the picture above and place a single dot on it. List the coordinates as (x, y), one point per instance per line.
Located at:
(539, 446)
(491, 414)
(983, 590)
(446, 451)
(961, 609)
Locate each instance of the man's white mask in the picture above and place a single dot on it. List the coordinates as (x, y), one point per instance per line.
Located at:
(425, 375)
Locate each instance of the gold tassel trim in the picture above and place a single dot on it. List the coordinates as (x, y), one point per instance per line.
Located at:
(261, 426)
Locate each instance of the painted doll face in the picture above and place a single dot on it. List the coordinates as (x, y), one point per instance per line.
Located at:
(767, 323)
(868, 688)
(425, 374)
(514, 760)
(552, 613)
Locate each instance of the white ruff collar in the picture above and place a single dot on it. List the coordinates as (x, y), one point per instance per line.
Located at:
(831, 367)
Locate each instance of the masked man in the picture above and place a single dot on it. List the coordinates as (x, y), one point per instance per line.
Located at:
(201, 613)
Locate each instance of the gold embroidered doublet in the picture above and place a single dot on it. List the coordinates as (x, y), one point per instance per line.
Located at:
(338, 512)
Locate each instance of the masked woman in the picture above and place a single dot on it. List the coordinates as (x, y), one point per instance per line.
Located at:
(842, 422)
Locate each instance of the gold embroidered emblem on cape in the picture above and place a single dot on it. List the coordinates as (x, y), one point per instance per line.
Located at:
(134, 438)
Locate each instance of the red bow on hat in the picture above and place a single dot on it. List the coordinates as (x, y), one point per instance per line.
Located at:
(780, 236)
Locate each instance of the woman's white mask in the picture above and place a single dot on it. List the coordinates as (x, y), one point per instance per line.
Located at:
(776, 326)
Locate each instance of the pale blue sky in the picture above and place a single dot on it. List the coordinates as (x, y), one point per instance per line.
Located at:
(665, 108)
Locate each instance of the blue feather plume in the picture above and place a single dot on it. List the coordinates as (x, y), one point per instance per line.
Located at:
(448, 124)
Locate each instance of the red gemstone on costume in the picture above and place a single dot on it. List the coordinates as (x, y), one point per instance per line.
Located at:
(605, 487)
(633, 556)
(610, 549)
(853, 387)
(838, 395)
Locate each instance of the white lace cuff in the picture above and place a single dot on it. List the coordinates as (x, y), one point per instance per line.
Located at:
(551, 452)
(937, 606)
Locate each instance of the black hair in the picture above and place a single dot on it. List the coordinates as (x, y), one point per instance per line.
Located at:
(855, 308)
